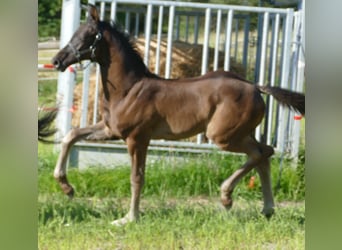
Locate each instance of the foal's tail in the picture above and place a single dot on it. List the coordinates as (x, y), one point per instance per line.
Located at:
(44, 123)
(286, 97)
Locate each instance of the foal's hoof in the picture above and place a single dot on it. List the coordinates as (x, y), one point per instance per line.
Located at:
(68, 190)
(227, 203)
(70, 193)
(268, 213)
(65, 186)
(121, 222)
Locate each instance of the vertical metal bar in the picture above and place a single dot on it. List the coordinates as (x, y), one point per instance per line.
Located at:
(262, 63)
(269, 53)
(205, 51)
(177, 27)
(187, 29)
(295, 51)
(196, 29)
(273, 76)
(269, 72)
(258, 47)
(293, 73)
(263, 49)
(228, 39)
(301, 47)
(85, 93)
(294, 129)
(148, 29)
(283, 30)
(236, 38)
(102, 10)
(281, 46)
(127, 21)
(96, 95)
(299, 64)
(169, 42)
(283, 114)
(70, 22)
(136, 29)
(159, 34)
(245, 43)
(113, 11)
(217, 40)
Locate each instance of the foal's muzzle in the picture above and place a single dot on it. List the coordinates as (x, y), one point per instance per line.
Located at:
(70, 54)
(56, 63)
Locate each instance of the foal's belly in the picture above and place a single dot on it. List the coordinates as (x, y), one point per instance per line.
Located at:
(176, 132)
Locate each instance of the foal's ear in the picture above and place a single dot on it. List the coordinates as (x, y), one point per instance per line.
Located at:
(93, 15)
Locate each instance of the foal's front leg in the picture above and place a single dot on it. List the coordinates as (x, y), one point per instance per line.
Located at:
(137, 150)
(98, 131)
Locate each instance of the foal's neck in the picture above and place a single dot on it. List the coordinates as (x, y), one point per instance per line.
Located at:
(125, 66)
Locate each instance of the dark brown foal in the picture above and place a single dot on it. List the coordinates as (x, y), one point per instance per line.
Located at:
(139, 106)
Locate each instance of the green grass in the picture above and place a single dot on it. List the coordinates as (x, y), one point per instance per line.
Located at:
(84, 224)
(180, 207)
(47, 90)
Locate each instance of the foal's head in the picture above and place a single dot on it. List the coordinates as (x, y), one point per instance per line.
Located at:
(86, 43)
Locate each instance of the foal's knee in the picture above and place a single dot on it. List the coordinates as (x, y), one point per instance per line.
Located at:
(69, 137)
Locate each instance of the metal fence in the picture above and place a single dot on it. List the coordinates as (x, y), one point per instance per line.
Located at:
(265, 41)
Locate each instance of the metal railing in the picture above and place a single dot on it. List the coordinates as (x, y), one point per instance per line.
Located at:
(218, 29)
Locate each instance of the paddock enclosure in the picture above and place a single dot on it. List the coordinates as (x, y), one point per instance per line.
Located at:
(181, 39)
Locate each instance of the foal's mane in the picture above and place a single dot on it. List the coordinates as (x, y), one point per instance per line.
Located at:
(126, 44)
(134, 61)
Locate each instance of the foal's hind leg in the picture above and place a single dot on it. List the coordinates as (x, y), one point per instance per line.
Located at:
(258, 155)
(263, 170)
(97, 131)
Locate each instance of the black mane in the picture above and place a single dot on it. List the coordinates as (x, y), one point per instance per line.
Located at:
(131, 55)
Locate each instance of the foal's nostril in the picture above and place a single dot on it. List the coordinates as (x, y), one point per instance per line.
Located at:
(56, 63)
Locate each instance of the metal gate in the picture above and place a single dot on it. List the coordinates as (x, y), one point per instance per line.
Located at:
(265, 42)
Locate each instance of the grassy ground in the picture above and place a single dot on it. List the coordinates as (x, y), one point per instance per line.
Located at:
(180, 208)
(180, 204)
(84, 224)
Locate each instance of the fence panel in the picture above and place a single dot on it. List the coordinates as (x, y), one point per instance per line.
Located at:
(255, 42)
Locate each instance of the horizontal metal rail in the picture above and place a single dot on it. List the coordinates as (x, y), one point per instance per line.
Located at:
(202, 6)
